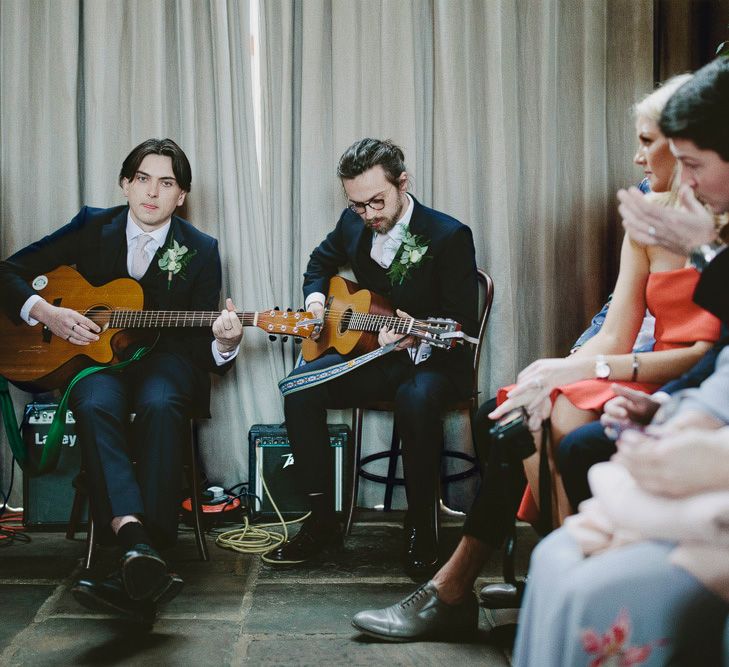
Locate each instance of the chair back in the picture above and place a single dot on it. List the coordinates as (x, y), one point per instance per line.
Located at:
(486, 298)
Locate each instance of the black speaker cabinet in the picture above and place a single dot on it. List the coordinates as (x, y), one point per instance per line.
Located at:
(270, 453)
(47, 499)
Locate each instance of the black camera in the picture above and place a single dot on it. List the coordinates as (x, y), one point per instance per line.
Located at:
(513, 435)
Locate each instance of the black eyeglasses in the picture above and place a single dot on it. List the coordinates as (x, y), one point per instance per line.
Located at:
(359, 207)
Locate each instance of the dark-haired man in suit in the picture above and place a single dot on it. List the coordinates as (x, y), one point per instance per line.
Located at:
(164, 389)
(439, 280)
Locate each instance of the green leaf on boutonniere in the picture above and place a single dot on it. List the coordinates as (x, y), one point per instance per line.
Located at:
(174, 260)
(410, 255)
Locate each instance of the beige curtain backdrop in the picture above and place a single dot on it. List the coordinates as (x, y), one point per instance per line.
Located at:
(513, 114)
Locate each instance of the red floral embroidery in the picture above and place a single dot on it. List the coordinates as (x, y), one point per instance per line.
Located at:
(612, 649)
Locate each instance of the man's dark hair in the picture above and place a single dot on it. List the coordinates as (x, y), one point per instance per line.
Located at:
(367, 153)
(167, 147)
(698, 110)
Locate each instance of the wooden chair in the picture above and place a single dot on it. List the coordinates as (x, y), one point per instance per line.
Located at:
(390, 480)
(193, 474)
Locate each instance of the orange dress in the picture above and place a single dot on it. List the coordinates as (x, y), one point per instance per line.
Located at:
(679, 323)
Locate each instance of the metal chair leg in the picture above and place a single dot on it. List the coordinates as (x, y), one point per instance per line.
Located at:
(202, 547)
(90, 544)
(357, 414)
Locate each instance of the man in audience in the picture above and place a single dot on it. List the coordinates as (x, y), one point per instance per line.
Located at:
(423, 261)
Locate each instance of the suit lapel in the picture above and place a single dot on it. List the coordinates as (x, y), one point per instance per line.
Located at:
(113, 250)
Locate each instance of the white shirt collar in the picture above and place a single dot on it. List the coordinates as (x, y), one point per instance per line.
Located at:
(397, 232)
(133, 230)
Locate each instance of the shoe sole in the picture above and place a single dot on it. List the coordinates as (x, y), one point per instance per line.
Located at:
(95, 603)
(442, 635)
(144, 577)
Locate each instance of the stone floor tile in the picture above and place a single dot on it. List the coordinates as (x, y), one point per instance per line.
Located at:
(23, 600)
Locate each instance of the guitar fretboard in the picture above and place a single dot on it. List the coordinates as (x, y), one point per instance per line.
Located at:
(143, 319)
(369, 322)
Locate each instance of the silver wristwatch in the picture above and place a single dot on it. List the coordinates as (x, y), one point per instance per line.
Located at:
(703, 254)
(602, 368)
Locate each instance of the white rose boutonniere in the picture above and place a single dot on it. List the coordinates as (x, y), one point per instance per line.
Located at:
(174, 260)
(410, 256)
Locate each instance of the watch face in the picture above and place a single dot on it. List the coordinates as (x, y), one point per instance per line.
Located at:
(602, 370)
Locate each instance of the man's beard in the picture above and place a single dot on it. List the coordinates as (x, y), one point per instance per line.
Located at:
(386, 224)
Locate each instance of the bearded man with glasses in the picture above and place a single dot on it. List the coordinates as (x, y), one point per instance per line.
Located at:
(436, 278)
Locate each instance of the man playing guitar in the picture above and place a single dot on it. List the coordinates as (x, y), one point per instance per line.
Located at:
(423, 262)
(164, 389)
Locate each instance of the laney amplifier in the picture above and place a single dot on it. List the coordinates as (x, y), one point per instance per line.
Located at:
(47, 499)
(269, 451)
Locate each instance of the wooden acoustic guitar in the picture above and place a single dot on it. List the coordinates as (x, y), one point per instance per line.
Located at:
(34, 359)
(353, 318)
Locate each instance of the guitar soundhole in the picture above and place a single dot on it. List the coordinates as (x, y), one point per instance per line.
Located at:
(100, 314)
(345, 320)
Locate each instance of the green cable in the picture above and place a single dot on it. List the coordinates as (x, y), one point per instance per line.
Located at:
(52, 447)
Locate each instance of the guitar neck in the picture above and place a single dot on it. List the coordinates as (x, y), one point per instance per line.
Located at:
(156, 319)
(371, 322)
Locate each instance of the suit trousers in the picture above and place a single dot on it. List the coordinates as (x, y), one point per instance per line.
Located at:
(419, 392)
(160, 391)
(578, 452)
(493, 511)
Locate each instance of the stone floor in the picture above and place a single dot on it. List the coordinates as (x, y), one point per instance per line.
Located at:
(233, 610)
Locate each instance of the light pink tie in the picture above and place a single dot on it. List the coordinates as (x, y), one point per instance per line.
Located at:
(378, 246)
(140, 261)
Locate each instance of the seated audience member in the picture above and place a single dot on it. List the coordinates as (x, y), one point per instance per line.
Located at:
(667, 593)
(644, 562)
(447, 602)
(572, 391)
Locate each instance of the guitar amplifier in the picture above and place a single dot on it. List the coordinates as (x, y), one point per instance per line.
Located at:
(270, 458)
(47, 499)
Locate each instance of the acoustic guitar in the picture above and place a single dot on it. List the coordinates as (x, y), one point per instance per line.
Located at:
(353, 318)
(34, 359)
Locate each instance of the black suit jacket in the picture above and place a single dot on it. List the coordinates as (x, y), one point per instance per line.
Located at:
(443, 285)
(95, 243)
(711, 291)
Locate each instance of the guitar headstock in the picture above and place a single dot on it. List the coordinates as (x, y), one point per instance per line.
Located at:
(438, 331)
(286, 322)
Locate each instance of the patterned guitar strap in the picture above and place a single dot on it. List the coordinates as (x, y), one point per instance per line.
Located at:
(306, 379)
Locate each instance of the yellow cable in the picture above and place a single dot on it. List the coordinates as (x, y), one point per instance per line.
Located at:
(254, 539)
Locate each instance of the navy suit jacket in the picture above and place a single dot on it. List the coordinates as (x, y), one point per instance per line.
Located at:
(443, 285)
(95, 243)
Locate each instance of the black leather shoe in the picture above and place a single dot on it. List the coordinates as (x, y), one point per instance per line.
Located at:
(502, 596)
(144, 573)
(313, 539)
(109, 596)
(420, 557)
(421, 615)
(174, 585)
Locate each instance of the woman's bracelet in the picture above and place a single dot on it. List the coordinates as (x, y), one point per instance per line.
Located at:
(636, 366)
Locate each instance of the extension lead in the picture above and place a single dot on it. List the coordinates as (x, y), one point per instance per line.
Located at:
(255, 539)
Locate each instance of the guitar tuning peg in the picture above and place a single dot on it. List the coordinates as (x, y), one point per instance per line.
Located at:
(272, 338)
(300, 310)
(284, 339)
(276, 308)
(288, 310)
(297, 341)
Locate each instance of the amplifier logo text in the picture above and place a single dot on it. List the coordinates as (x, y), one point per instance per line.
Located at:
(68, 439)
